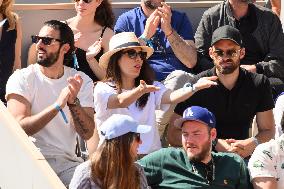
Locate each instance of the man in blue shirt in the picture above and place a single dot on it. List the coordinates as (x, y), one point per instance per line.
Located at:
(170, 33)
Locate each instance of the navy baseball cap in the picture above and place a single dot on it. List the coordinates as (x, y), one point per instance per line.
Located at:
(227, 32)
(118, 125)
(197, 113)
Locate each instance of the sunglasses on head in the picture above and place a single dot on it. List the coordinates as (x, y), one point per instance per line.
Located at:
(44, 40)
(229, 53)
(85, 1)
(133, 54)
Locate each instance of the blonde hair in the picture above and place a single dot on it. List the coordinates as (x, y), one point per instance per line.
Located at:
(6, 10)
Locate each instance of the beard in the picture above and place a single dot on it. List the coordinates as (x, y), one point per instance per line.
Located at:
(203, 154)
(152, 5)
(49, 60)
(228, 69)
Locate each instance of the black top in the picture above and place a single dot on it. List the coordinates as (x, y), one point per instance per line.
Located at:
(234, 109)
(82, 61)
(7, 56)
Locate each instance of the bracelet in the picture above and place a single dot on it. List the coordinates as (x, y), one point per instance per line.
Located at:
(189, 85)
(255, 140)
(170, 33)
(147, 41)
(58, 108)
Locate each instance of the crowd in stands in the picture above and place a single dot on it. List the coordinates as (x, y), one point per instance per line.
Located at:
(156, 105)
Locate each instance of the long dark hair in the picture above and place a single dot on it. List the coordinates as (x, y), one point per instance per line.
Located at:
(104, 15)
(112, 165)
(113, 74)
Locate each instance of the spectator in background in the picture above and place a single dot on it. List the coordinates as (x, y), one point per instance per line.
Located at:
(276, 8)
(10, 44)
(52, 102)
(194, 165)
(262, 33)
(170, 33)
(112, 165)
(239, 96)
(266, 163)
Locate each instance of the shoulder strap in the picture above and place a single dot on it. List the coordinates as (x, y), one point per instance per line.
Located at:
(103, 31)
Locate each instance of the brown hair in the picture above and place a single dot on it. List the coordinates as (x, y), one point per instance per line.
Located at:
(113, 165)
(282, 122)
(104, 15)
(6, 10)
(113, 74)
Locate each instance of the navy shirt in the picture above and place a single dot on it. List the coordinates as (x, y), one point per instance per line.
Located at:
(234, 109)
(163, 61)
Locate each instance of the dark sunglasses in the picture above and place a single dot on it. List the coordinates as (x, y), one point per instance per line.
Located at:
(44, 40)
(229, 53)
(133, 54)
(85, 1)
(137, 137)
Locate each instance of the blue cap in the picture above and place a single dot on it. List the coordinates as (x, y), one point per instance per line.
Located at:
(118, 125)
(197, 113)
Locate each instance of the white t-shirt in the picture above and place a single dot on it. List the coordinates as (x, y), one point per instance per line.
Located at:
(278, 113)
(146, 116)
(57, 137)
(267, 160)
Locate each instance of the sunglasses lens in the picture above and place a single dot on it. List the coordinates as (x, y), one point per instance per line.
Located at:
(143, 55)
(35, 39)
(46, 40)
(131, 54)
(85, 1)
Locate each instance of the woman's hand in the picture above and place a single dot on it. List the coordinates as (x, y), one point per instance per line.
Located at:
(144, 88)
(94, 49)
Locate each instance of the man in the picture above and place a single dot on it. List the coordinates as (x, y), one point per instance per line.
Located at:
(170, 33)
(52, 102)
(195, 165)
(276, 8)
(238, 97)
(266, 164)
(262, 34)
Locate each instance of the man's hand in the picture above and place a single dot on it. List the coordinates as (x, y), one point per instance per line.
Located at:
(165, 13)
(205, 82)
(74, 86)
(151, 25)
(245, 147)
(250, 68)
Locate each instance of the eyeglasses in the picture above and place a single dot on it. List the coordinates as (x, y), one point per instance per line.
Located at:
(133, 54)
(230, 53)
(44, 40)
(137, 137)
(85, 1)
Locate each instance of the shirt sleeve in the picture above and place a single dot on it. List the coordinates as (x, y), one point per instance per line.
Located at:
(262, 162)
(185, 28)
(102, 92)
(121, 24)
(86, 92)
(278, 113)
(266, 101)
(159, 95)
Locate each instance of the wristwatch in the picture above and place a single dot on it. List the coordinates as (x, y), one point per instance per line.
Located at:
(75, 103)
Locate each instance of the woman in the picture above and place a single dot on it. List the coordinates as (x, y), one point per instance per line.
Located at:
(112, 165)
(92, 31)
(10, 43)
(130, 88)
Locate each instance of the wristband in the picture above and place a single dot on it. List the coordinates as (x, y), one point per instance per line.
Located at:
(58, 108)
(255, 140)
(170, 33)
(147, 41)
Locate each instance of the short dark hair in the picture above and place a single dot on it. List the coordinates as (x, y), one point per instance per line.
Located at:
(66, 36)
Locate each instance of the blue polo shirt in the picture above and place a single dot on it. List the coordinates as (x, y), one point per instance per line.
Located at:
(163, 61)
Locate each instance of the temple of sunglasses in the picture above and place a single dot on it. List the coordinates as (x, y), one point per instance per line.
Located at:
(133, 54)
(44, 40)
(85, 1)
(229, 53)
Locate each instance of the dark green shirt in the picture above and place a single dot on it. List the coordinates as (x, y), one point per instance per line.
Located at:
(171, 168)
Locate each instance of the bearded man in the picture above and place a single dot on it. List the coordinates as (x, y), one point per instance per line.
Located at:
(195, 165)
(262, 35)
(238, 96)
(52, 102)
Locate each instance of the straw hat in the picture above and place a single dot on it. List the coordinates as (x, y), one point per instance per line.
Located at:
(118, 42)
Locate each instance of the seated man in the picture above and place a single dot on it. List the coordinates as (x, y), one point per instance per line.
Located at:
(195, 165)
(239, 96)
(170, 33)
(266, 164)
(262, 33)
(52, 102)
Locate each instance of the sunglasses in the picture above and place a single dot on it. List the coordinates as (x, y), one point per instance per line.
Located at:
(229, 53)
(85, 1)
(44, 40)
(137, 137)
(133, 54)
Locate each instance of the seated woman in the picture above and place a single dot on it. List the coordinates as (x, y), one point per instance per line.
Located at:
(112, 165)
(92, 31)
(10, 44)
(130, 88)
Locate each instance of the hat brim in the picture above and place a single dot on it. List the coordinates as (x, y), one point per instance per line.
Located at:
(104, 59)
(178, 122)
(225, 38)
(142, 129)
